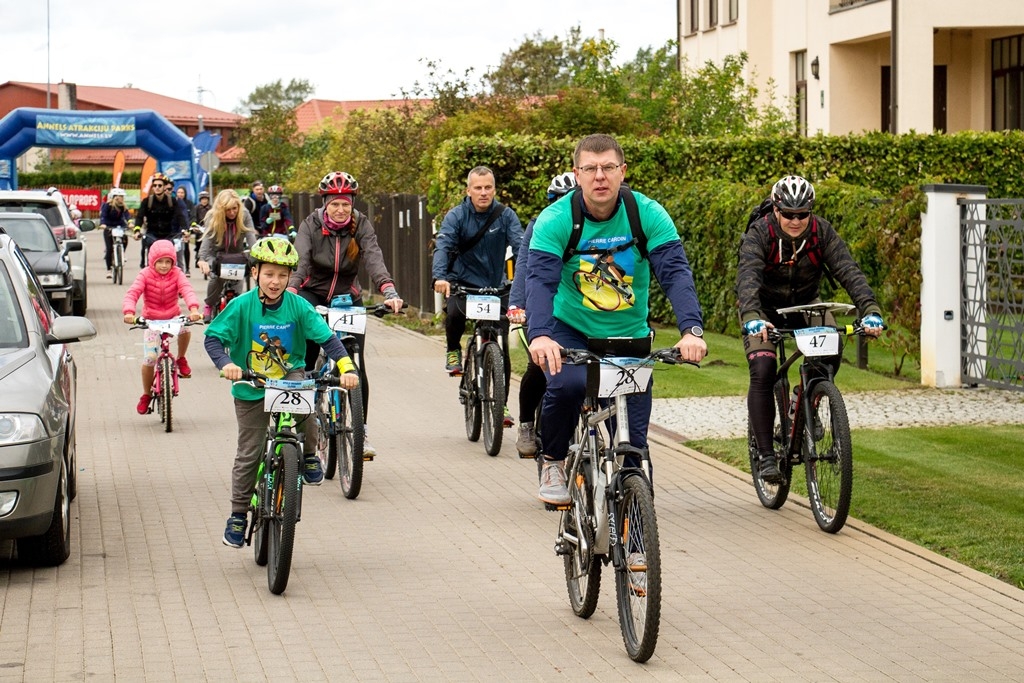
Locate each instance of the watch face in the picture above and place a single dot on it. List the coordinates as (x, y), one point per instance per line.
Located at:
(697, 331)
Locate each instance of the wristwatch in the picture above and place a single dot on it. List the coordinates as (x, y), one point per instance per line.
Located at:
(696, 331)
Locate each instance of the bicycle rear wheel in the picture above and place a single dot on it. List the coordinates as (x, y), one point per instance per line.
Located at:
(118, 269)
(284, 513)
(773, 496)
(638, 583)
(582, 567)
(348, 441)
(830, 467)
(492, 398)
(166, 391)
(469, 394)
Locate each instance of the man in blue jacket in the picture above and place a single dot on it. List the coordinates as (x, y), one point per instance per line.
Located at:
(470, 251)
(601, 290)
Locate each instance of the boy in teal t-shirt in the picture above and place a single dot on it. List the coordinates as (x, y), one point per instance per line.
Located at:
(265, 330)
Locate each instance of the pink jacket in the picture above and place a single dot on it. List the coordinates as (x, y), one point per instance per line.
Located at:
(160, 293)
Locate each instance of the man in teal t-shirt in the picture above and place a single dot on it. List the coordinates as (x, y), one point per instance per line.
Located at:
(602, 291)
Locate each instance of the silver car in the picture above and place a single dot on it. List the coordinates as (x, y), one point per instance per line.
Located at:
(37, 413)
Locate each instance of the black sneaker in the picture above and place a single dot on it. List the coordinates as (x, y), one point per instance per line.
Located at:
(768, 468)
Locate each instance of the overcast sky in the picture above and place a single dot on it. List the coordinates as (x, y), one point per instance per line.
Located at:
(347, 50)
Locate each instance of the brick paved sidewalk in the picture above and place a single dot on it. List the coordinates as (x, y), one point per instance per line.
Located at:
(443, 568)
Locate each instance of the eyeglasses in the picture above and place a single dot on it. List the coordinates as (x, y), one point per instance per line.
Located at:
(591, 170)
(794, 215)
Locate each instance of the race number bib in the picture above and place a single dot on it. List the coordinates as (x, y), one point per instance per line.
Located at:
(171, 327)
(289, 396)
(817, 341)
(624, 376)
(479, 307)
(351, 319)
(232, 271)
(117, 233)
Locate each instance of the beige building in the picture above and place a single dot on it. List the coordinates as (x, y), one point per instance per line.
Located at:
(956, 65)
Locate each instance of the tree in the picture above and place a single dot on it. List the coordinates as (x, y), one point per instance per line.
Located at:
(271, 140)
(539, 66)
(277, 95)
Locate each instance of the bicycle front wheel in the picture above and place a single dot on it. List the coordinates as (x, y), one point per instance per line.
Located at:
(348, 441)
(638, 583)
(325, 448)
(469, 395)
(166, 391)
(284, 513)
(118, 276)
(582, 568)
(773, 496)
(830, 466)
(492, 398)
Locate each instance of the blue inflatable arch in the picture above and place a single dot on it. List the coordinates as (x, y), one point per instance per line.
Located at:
(28, 127)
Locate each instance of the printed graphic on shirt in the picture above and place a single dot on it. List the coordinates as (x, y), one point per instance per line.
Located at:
(270, 344)
(605, 279)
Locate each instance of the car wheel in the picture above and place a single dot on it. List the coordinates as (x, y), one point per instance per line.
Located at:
(79, 303)
(53, 547)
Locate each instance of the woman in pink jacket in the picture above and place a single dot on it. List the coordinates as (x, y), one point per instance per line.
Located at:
(160, 285)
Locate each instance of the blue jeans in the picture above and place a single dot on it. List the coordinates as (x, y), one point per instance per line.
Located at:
(564, 397)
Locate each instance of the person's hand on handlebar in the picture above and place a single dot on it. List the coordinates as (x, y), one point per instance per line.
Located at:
(692, 348)
(516, 315)
(391, 299)
(546, 353)
(758, 328)
(205, 267)
(231, 372)
(443, 287)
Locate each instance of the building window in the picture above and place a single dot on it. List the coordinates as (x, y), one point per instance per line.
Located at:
(734, 10)
(712, 13)
(1008, 83)
(800, 79)
(693, 18)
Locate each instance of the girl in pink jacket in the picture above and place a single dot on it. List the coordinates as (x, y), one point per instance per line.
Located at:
(160, 285)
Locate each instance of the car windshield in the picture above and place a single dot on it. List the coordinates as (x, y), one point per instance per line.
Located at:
(12, 327)
(30, 232)
(48, 210)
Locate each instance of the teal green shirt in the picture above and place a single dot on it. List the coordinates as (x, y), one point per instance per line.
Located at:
(603, 296)
(271, 343)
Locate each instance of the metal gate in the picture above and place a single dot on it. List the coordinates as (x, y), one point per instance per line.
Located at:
(992, 292)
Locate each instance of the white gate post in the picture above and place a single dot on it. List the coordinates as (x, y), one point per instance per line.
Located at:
(940, 283)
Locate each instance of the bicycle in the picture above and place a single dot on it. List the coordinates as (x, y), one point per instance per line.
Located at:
(482, 388)
(119, 240)
(276, 504)
(811, 424)
(610, 517)
(165, 375)
(232, 270)
(340, 412)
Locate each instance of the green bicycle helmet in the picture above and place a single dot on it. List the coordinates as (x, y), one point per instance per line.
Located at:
(274, 250)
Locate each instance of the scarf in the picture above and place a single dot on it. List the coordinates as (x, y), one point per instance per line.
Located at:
(335, 226)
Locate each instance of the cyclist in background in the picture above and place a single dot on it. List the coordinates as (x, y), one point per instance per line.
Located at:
(332, 242)
(563, 313)
(199, 212)
(229, 233)
(275, 216)
(533, 383)
(268, 310)
(160, 285)
(781, 261)
(113, 214)
(161, 214)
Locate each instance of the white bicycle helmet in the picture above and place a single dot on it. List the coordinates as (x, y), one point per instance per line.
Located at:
(561, 185)
(115, 192)
(793, 193)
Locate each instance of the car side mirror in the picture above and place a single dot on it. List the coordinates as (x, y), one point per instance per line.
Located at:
(86, 224)
(71, 245)
(70, 328)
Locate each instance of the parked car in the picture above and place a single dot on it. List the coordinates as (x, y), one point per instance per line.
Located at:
(50, 261)
(51, 205)
(38, 385)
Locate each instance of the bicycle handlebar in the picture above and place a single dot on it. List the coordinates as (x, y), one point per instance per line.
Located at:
(257, 380)
(498, 291)
(668, 355)
(777, 334)
(380, 310)
(143, 323)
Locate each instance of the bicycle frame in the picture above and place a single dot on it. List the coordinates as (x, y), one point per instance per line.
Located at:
(281, 431)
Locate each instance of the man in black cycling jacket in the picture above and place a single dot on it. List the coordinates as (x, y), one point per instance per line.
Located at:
(162, 214)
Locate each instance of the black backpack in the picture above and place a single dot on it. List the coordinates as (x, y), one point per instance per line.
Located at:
(632, 213)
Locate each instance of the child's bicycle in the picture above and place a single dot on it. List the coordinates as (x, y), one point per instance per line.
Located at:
(482, 388)
(610, 517)
(276, 504)
(165, 376)
(340, 412)
(811, 425)
(232, 270)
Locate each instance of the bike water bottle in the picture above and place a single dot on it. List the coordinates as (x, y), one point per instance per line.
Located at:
(792, 404)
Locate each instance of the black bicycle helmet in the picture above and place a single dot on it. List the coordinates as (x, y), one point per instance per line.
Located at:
(793, 193)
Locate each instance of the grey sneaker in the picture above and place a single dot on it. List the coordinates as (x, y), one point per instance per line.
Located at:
(368, 450)
(552, 484)
(636, 564)
(768, 468)
(526, 443)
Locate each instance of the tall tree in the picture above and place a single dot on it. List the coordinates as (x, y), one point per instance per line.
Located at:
(276, 94)
(271, 140)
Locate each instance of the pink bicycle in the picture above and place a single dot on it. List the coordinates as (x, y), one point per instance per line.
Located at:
(165, 376)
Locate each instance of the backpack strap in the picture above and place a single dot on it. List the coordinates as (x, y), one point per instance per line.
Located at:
(496, 212)
(632, 214)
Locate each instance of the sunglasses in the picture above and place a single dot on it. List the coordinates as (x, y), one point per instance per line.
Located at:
(797, 215)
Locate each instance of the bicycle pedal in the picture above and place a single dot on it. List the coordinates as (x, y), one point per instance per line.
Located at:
(523, 456)
(368, 458)
(552, 507)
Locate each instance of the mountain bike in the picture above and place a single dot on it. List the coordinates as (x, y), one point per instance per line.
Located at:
(610, 517)
(811, 424)
(165, 376)
(276, 504)
(119, 240)
(482, 388)
(340, 412)
(233, 273)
